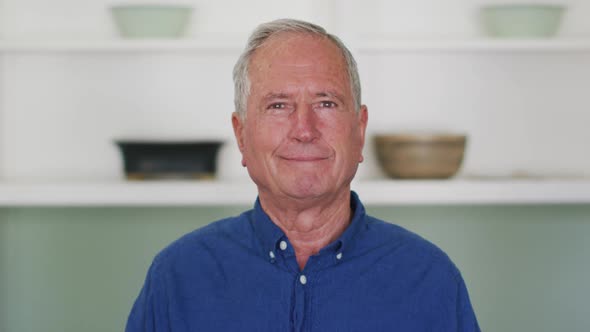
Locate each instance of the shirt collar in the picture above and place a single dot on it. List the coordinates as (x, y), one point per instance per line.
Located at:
(265, 229)
(270, 234)
(357, 223)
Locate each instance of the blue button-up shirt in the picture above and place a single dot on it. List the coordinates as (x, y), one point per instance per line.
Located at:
(240, 274)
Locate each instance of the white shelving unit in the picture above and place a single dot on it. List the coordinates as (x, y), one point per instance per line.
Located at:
(46, 82)
(212, 193)
(380, 192)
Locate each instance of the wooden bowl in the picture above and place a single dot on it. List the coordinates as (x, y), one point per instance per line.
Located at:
(420, 155)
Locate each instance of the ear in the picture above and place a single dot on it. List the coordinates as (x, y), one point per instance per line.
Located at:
(238, 126)
(363, 120)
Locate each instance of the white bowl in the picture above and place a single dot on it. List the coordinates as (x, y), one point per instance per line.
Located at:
(522, 21)
(151, 21)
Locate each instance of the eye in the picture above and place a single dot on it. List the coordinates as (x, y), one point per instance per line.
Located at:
(279, 108)
(327, 104)
(276, 106)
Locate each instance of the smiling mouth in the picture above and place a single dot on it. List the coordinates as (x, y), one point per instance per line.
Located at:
(304, 158)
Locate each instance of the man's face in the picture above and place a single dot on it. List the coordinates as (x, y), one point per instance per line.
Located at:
(301, 137)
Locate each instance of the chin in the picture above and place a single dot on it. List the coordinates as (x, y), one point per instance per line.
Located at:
(305, 188)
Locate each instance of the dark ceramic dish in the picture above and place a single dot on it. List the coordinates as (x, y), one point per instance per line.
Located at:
(169, 159)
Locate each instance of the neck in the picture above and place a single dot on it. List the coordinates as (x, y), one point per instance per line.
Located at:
(309, 227)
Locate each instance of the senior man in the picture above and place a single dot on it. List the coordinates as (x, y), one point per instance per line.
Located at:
(307, 257)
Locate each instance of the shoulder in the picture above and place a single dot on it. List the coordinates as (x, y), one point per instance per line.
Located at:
(207, 241)
(405, 247)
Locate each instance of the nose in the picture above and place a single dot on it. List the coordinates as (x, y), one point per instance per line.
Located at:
(304, 125)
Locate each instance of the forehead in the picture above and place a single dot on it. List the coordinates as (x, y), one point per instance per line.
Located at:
(299, 54)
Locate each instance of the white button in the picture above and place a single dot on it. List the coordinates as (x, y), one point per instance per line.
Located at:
(339, 256)
(283, 245)
(303, 279)
(271, 254)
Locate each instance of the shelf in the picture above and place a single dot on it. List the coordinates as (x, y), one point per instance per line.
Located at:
(378, 46)
(122, 45)
(215, 193)
(235, 46)
(476, 192)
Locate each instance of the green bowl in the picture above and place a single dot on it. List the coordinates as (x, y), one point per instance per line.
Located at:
(522, 21)
(151, 21)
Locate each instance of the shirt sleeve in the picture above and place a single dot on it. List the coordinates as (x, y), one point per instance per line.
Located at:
(466, 320)
(149, 312)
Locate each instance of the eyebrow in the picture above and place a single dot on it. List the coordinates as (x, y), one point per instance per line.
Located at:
(331, 94)
(283, 95)
(275, 95)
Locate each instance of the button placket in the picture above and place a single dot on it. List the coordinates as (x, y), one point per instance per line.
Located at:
(300, 303)
(303, 279)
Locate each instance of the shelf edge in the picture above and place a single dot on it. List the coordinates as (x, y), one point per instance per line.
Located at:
(370, 46)
(386, 192)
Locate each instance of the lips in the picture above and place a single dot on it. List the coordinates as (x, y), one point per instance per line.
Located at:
(305, 153)
(304, 158)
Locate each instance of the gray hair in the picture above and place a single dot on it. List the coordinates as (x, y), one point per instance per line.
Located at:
(266, 30)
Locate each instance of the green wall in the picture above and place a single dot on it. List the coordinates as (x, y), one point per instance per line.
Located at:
(79, 269)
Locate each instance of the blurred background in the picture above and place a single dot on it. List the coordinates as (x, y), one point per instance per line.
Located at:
(77, 234)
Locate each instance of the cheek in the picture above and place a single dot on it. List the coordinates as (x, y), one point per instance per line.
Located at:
(341, 135)
(351, 148)
(263, 138)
